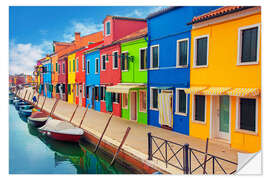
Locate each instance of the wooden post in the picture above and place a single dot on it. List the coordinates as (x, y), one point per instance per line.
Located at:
(43, 103)
(103, 132)
(54, 105)
(83, 116)
(38, 99)
(119, 148)
(73, 113)
(205, 157)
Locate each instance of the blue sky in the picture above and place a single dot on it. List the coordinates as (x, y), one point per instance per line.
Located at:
(33, 28)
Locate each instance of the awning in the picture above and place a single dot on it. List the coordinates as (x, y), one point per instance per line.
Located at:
(123, 88)
(194, 90)
(244, 92)
(215, 90)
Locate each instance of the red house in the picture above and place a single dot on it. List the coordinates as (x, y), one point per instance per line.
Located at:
(115, 28)
(80, 73)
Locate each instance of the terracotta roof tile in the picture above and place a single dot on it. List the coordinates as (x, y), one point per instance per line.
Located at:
(218, 12)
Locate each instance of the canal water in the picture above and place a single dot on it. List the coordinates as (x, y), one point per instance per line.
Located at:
(30, 152)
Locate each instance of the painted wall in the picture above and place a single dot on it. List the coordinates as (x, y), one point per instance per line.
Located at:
(223, 71)
(63, 77)
(134, 75)
(80, 75)
(71, 78)
(110, 76)
(54, 73)
(47, 78)
(92, 79)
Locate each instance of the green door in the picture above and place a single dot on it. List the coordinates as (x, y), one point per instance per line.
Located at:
(224, 114)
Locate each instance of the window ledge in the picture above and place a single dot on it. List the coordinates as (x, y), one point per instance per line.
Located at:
(247, 63)
(124, 70)
(181, 114)
(199, 122)
(154, 68)
(204, 66)
(185, 66)
(143, 111)
(246, 132)
(142, 69)
(154, 109)
(124, 107)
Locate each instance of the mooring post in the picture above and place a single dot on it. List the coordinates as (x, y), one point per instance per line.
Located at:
(205, 157)
(54, 106)
(73, 113)
(119, 148)
(185, 159)
(37, 100)
(43, 103)
(84, 115)
(149, 146)
(103, 132)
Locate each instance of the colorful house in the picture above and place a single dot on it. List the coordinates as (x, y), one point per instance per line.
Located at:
(115, 28)
(71, 77)
(63, 77)
(47, 78)
(92, 55)
(55, 70)
(169, 72)
(225, 77)
(134, 76)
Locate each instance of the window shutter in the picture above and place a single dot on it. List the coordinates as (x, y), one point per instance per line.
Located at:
(248, 114)
(249, 45)
(199, 107)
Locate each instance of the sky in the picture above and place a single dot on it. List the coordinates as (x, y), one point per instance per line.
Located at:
(32, 29)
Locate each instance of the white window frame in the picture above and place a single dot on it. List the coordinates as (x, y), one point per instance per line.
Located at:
(121, 61)
(239, 49)
(195, 51)
(113, 59)
(237, 122)
(96, 64)
(83, 63)
(101, 62)
(177, 53)
(177, 102)
(106, 28)
(145, 48)
(193, 110)
(145, 100)
(77, 64)
(151, 56)
(151, 98)
(124, 107)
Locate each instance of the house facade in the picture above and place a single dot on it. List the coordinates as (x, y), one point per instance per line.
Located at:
(115, 28)
(225, 77)
(47, 77)
(71, 86)
(55, 69)
(63, 77)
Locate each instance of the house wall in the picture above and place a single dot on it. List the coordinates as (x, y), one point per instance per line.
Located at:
(54, 73)
(223, 71)
(63, 77)
(47, 77)
(71, 78)
(80, 75)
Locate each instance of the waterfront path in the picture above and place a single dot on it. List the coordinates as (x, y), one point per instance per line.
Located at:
(136, 144)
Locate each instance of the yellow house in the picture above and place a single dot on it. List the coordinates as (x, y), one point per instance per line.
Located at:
(71, 78)
(225, 77)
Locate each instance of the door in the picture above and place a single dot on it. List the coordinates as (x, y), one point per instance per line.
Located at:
(133, 105)
(80, 95)
(93, 98)
(221, 117)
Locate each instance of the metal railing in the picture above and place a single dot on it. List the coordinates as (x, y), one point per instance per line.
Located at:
(187, 159)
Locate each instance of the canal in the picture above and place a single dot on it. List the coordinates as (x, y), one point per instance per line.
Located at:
(30, 152)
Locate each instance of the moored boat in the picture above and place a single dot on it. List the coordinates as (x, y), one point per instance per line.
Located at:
(37, 119)
(25, 112)
(61, 130)
(17, 105)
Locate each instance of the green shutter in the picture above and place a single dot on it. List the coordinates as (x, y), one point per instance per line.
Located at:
(73, 65)
(56, 67)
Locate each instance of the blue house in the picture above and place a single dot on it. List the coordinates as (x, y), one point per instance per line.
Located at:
(92, 79)
(169, 66)
(47, 77)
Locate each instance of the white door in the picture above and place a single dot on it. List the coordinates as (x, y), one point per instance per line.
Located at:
(221, 117)
(133, 105)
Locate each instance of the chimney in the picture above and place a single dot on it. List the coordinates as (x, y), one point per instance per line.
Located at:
(77, 36)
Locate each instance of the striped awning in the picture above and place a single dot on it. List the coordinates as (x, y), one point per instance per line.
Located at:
(215, 90)
(121, 88)
(244, 92)
(194, 89)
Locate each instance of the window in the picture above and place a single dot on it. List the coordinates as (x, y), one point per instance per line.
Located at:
(83, 63)
(87, 91)
(69, 66)
(154, 98)
(143, 57)
(77, 89)
(115, 98)
(155, 56)
(73, 65)
(59, 68)
(103, 66)
(108, 28)
(57, 88)
(96, 93)
(199, 112)
(125, 100)
(63, 89)
(248, 47)
(181, 102)
(63, 68)
(201, 51)
(142, 97)
(77, 65)
(182, 52)
(115, 60)
(56, 67)
(102, 93)
(96, 65)
(247, 116)
(88, 67)
(124, 61)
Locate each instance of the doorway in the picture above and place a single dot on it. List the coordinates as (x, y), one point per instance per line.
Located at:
(221, 117)
(80, 95)
(133, 105)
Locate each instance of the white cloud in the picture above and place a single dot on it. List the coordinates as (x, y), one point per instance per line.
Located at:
(141, 13)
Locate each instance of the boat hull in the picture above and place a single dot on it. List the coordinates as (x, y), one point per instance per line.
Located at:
(26, 113)
(62, 137)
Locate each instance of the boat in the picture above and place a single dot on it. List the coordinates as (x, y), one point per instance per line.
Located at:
(37, 119)
(61, 130)
(17, 105)
(25, 112)
(28, 106)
